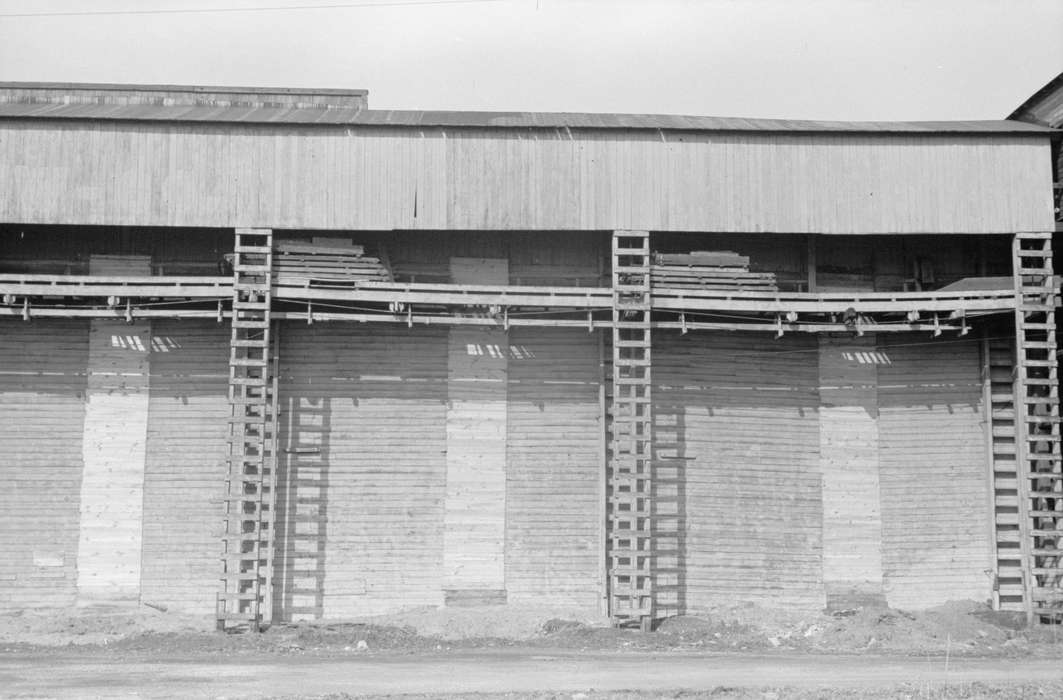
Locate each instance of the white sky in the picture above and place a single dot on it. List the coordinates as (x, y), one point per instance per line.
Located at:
(813, 59)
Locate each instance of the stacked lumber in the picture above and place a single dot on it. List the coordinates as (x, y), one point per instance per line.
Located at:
(709, 269)
(313, 265)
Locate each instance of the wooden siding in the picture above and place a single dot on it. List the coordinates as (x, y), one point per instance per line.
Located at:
(187, 429)
(363, 469)
(934, 475)
(741, 412)
(849, 461)
(554, 500)
(112, 483)
(42, 411)
(474, 529)
(437, 178)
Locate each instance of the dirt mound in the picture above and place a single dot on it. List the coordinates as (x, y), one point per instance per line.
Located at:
(514, 622)
(94, 625)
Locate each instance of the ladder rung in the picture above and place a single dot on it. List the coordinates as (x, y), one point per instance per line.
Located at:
(243, 576)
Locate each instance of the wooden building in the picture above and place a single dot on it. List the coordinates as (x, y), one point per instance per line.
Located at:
(278, 355)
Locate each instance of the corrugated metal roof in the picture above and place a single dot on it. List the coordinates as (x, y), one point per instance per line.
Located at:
(244, 105)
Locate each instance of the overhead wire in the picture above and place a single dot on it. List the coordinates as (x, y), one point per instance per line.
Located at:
(236, 9)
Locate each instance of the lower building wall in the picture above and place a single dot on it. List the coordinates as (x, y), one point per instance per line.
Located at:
(775, 506)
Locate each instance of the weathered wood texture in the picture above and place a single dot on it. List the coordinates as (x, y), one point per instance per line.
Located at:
(553, 489)
(433, 178)
(114, 449)
(741, 413)
(42, 410)
(933, 473)
(363, 469)
(474, 536)
(849, 462)
(474, 521)
(187, 428)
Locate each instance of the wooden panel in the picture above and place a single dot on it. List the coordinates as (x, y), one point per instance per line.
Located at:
(935, 524)
(475, 521)
(42, 411)
(187, 429)
(849, 451)
(480, 179)
(474, 533)
(363, 470)
(741, 412)
(554, 518)
(112, 484)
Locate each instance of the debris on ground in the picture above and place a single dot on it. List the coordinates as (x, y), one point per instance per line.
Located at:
(961, 628)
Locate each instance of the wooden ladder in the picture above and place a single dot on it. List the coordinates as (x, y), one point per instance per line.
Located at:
(630, 478)
(1040, 507)
(245, 599)
(998, 358)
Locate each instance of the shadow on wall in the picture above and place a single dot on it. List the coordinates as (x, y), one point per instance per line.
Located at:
(670, 507)
(302, 508)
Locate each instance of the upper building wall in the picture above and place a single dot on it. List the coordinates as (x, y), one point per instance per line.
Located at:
(380, 170)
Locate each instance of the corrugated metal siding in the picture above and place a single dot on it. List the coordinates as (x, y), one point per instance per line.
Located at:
(363, 465)
(553, 481)
(438, 178)
(934, 473)
(186, 452)
(740, 411)
(42, 412)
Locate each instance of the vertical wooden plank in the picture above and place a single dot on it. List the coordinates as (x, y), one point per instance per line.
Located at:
(852, 521)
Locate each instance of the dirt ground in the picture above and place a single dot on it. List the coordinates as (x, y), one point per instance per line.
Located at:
(958, 650)
(962, 628)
